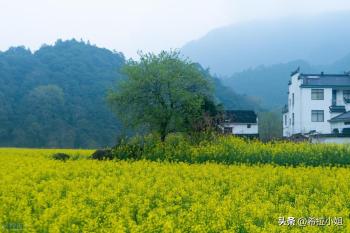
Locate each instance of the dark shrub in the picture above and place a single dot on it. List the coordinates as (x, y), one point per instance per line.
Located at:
(102, 154)
(60, 156)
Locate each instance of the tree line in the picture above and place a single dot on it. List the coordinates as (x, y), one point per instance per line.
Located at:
(56, 96)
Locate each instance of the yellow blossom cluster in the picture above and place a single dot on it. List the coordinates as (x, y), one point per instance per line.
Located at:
(39, 194)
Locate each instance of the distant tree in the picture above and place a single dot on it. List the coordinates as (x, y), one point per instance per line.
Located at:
(44, 112)
(163, 93)
(270, 125)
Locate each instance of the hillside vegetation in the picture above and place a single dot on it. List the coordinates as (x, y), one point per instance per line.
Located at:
(56, 96)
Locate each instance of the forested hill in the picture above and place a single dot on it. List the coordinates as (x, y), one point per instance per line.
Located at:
(267, 83)
(55, 97)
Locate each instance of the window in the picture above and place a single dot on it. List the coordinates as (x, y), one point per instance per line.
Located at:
(249, 126)
(334, 97)
(317, 115)
(317, 94)
(227, 130)
(346, 95)
(293, 99)
(285, 120)
(292, 118)
(346, 123)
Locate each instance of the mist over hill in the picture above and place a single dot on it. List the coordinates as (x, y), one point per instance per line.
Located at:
(55, 97)
(269, 84)
(316, 39)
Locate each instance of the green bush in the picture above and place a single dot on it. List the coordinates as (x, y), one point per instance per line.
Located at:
(104, 154)
(60, 156)
(231, 150)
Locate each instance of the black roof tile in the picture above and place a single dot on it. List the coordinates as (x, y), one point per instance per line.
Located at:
(342, 117)
(240, 116)
(325, 80)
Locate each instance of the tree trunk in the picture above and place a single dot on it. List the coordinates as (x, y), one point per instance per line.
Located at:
(162, 137)
(163, 130)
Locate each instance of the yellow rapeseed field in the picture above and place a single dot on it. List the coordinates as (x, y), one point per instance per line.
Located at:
(38, 194)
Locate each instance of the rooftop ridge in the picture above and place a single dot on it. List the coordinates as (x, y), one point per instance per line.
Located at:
(295, 72)
(325, 74)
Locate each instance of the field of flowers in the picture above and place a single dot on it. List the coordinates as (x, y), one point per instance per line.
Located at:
(39, 194)
(233, 150)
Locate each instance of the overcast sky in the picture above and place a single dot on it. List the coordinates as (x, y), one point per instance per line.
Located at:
(131, 25)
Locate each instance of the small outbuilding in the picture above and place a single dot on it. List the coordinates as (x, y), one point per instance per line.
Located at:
(240, 122)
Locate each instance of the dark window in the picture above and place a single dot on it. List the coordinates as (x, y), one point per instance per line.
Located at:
(334, 97)
(317, 115)
(285, 120)
(228, 130)
(249, 126)
(346, 123)
(317, 94)
(292, 118)
(346, 95)
(293, 99)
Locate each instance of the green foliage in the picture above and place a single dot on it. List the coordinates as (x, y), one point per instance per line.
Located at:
(163, 93)
(102, 154)
(233, 101)
(55, 97)
(270, 125)
(60, 156)
(232, 150)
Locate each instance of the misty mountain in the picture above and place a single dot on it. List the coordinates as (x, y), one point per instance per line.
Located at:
(316, 39)
(269, 84)
(55, 97)
(231, 100)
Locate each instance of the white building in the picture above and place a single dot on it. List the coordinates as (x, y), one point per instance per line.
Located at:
(318, 107)
(240, 123)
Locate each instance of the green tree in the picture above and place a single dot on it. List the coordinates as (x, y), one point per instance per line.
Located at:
(270, 125)
(162, 93)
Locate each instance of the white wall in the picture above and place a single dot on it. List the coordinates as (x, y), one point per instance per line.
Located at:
(339, 125)
(243, 128)
(303, 105)
(294, 88)
(308, 105)
(286, 132)
(337, 140)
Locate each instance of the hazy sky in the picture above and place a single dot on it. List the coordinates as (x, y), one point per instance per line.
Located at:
(131, 25)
